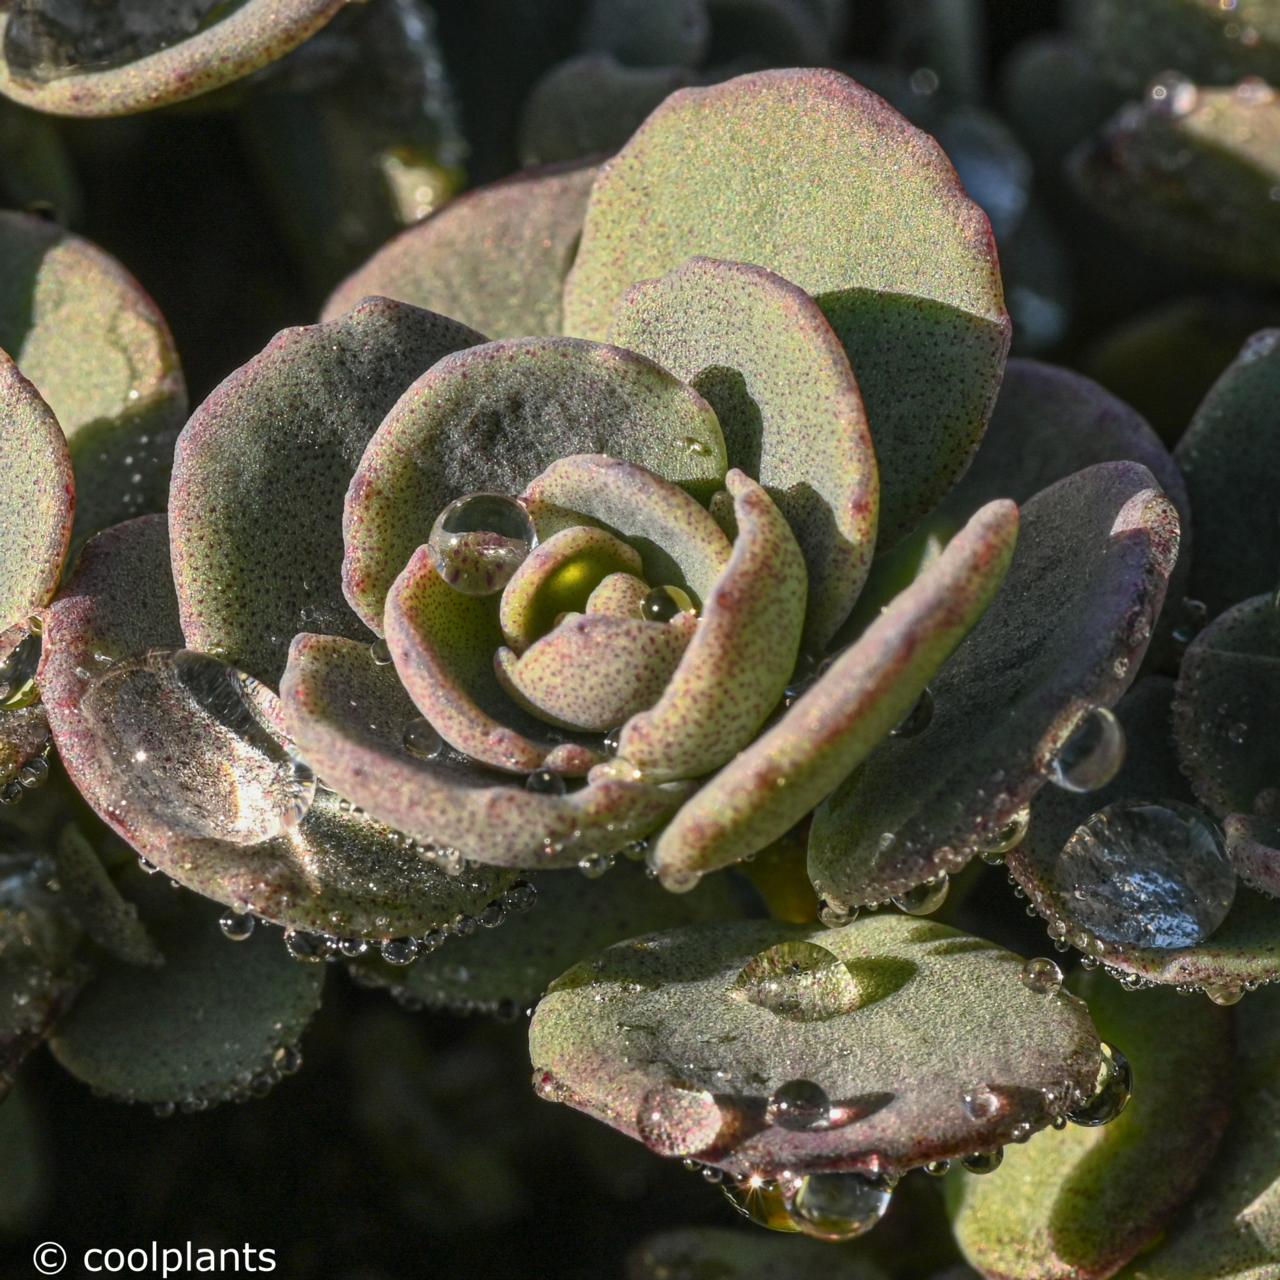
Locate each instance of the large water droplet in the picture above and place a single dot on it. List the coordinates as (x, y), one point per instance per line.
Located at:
(479, 541)
(799, 1105)
(1006, 837)
(235, 926)
(18, 673)
(1042, 976)
(917, 719)
(1149, 875)
(762, 1201)
(421, 740)
(675, 1120)
(545, 782)
(190, 750)
(1092, 755)
(839, 1206)
(1111, 1090)
(924, 899)
(800, 981)
(664, 603)
(984, 1161)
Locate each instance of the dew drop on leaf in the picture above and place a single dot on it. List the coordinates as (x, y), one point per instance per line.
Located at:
(1042, 976)
(664, 603)
(190, 751)
(236, 927)
(1111, 1091)
(18, 674)
(1092, 755)
(400, 951)
(421, 740)
(916, 720)
(799, 1105)
(839, 1206)
(983, 1161)
(380, 652)
(1145, 874)
(546, 783)
(1006, 837)
(938, 1168)
(760, 1200)
(478, 541)
(800, 981)
(924, 899)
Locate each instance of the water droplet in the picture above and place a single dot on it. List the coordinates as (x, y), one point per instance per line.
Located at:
(308, 947)
(836, 915)
(1042, 976)
(1225, 993)
(1092, 754)
(1111, 1090)
(594, 865)
(678, 879)
(33, 774)
(421, 740)
(982, 1103)
(664, 603)
(190, 750)
(545, 783)
(610, 740)
(18, 674)
(1173, 96)
(236, 927)
(353, 948)
(917, 719)
(1149, 875)
(380, 652)
(761, 1200)
(799, 981)
(520, 897)
(924, 899)
(983, 1161)
(676, 1120)
(699, 448)
(287, 1060)
(839, 1206)
(938, 1168)
(478, 541)
(147, 868)
(399, 951)
(1006, 837)
(799, 1105)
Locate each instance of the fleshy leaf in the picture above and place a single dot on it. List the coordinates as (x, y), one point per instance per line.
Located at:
(620, 595)
(897, 1021)
(92, 61)
(443, 644)
(1231, 458)
(811, 176)
(1064, 634)
(494, 259)
(833, 726)
(100, 354)
(261, 471)
(561, 575)
(1224, 714)
(1231, 1231)
(1083, 1201)
(505, 970)
(337, 872)
(769, 364)
(718, 1253)
(37, 498)
(201, 1026)
(489, 419)
(741, 654)
(348, 716)
(1190, 173)
(679, 543)
(1253, 845)
(592, 672)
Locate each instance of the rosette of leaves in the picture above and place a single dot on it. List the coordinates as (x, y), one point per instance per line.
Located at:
(618, 510)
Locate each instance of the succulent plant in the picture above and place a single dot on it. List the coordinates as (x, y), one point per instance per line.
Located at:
(651, 591)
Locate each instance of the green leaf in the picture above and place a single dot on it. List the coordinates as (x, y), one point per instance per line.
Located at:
(494, 259)
(262, 469)
(1232, 1229)
(1190, 175)
(775, 373)
(779, 778)
(489, 419)
(811, 176)
(1230, 456)
(92, 62)
(203, 1026)
(682, 1037)
(1083, 1201)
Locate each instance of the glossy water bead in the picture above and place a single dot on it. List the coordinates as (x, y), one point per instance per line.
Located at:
(479, 541)
(839, 1206)
(1092, 754)
(664, 603)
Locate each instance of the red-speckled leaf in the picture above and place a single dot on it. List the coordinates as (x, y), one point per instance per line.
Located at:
(443, 644)
(489, 419)
(1231, 1228)
(1190, 175)
(811, 176)
(1225, 712)
(348, 716)
(895, 1019)
(495, 258)
(561, 575)
(89, 60)
(1065, 633)
(262, 469)
(593, 672)
(1083, 1201)
(620, 595)
(1231, 458)
(99, 352)
(37, 498)
(827, 733)
(508, 968)
(337, 872)
(741, 655)
(762, 353)
(1253, 845)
